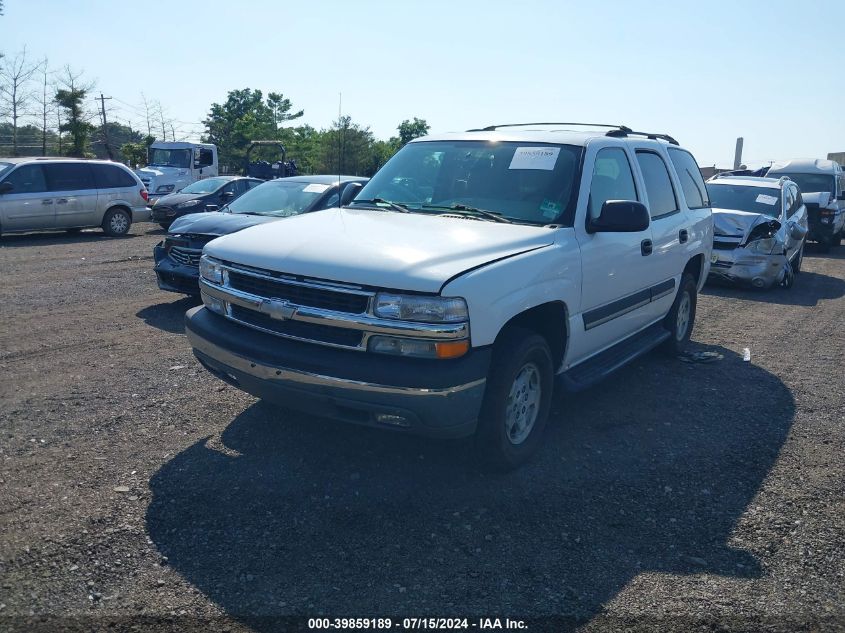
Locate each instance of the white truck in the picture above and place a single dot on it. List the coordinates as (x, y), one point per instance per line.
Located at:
(172, 166)
(472, 273)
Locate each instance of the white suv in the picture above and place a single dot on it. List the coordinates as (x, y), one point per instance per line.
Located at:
(470, 272)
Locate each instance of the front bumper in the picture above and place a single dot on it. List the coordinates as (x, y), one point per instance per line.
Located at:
(439, 398)
(742, 266)
(164, 214)
(821, 231)
(173, 276)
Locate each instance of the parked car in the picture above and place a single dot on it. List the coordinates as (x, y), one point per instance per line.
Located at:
(177, 257)
(208, 194)
(173, 165)
(41, 194)
(471, 271)
(822, 185)
(760, 226)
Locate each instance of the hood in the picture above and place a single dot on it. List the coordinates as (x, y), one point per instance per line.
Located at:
(159, 172)
(385, 249)
(172, 199)
(217, 223)
(732, 223)
(821, 198)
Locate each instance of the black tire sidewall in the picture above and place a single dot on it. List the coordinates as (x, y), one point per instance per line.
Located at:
(515, 349)
(673, 345)
(107, 222)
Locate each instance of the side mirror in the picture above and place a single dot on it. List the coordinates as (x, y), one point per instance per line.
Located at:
(227, 195)
(620, 216)
(350, 192)
(6, 187)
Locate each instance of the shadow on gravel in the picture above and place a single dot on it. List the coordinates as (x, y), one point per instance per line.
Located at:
(288, 514)
(809, 289)
(169, 316)
(14, 240)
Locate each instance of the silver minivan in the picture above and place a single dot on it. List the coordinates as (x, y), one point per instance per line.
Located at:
(38, 194)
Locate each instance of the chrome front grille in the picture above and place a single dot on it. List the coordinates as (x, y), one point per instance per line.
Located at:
(312, 310)
(304, 295)
(185, 256)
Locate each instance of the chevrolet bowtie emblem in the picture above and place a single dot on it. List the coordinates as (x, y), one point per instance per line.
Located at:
(278, 309)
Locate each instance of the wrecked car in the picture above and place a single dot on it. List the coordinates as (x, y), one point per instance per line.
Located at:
(759, 230)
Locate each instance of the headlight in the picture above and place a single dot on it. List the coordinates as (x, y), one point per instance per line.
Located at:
(421, 308)
(165, 188)
(210, 270)
(417, 348)
(765, 246)
(189, 203)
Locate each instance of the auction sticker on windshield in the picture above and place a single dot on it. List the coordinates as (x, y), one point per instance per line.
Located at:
(535, 158)
(764, 199)
(315, 188)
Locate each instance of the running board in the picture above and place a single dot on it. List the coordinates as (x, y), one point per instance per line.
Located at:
(601, 365)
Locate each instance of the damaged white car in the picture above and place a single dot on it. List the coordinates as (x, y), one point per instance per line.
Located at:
(759, 230)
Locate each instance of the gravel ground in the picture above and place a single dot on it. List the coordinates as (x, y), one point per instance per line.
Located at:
(138, 492)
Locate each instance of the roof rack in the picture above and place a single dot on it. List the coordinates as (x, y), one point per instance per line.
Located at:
(617, 131)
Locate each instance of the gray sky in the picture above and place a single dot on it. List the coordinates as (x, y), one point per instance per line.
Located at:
(704, 72)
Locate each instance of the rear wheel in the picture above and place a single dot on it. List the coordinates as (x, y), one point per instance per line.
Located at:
(681, 317)
(516, 401)
(116, 223)
(164, 225)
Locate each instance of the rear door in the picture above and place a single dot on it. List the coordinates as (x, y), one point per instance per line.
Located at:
(75, 193)
(615, 271)
(668, 229)
(28, 206)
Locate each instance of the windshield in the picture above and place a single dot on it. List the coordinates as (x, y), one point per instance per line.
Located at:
(4, 167)
(811, 183)
(764, 200)
(279, 198)
(524, 182)
(208, 185)
(170, 157)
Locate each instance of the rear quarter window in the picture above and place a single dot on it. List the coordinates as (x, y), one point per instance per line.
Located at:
(112, 177)
(692, 184)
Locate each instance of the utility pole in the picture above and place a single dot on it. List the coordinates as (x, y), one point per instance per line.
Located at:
(102, 101)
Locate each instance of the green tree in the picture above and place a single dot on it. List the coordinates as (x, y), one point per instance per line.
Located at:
(135, 153)
(346, 148)
(409, 130)
(70, 98)
(246, 116)
(119, 135)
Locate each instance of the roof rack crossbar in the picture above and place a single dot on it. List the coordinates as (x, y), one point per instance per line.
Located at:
(492, 128)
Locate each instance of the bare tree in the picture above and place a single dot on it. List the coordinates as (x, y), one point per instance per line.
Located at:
(45, 102)
(15, 94)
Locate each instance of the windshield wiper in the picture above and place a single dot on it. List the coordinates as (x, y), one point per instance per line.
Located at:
(401, 208)
(490, 215)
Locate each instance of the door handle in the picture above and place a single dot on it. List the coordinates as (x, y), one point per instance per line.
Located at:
(645, 247)
(683, 236)
(61, 201)
(46, 202)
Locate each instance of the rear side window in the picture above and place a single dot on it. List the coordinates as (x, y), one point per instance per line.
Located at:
(27, 179)
(658, 185)
(692, 184)
(69, 177)
(112, 177)
(612, 180)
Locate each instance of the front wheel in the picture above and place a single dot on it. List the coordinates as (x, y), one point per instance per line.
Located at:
(799, 260)
(681, 317)
(116, 223)
(516, 401)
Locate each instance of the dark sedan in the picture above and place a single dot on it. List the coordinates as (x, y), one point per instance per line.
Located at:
(177, 257)
(208, 194)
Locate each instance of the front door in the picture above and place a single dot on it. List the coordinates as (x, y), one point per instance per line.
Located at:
(28, 206)
(75, 193)
(615, 266)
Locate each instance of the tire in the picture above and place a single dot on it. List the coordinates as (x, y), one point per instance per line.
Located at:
(788, 280)
(164, 225)
(116, 223)
(680, 327)
(521, 367)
